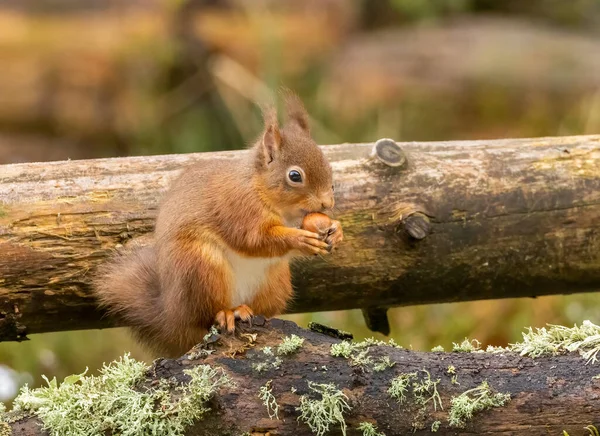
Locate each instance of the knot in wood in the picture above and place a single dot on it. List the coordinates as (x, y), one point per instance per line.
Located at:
(417, 225)
(389, 152)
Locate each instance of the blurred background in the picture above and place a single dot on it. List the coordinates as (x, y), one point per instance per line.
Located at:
(128, 77)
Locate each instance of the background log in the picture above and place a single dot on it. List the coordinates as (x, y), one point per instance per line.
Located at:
(457, 221)
(548, 395)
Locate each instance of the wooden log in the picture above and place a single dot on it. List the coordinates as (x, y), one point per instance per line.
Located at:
(454, 221)
(547, 395)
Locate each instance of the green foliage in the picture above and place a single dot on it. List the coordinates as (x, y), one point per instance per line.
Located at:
(369, 429)
(112, 402)
(289, 345)
(472, 401)
(269, 400)
(329, 410)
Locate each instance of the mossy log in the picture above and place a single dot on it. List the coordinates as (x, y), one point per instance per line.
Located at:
(547, 395)
(424, 223)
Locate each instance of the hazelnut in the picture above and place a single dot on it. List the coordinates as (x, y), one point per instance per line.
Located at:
(316, 223)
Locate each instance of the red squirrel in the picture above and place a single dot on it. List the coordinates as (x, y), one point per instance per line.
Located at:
(224, 237)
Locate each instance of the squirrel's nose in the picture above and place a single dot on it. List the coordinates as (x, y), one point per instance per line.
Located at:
(327, 202)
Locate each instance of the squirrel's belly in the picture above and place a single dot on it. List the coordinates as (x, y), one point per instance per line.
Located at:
(249, 273)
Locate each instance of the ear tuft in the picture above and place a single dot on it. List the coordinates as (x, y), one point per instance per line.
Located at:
(295, 111)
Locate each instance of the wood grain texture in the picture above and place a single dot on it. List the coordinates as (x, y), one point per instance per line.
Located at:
(548, 395)
(457, 221)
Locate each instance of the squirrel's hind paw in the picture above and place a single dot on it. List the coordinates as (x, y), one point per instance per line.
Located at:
(225, 319)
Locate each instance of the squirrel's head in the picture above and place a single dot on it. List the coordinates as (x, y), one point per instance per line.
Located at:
(292, 168)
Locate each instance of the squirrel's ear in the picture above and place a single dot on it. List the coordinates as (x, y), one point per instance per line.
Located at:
(295, 111)
(271, 140)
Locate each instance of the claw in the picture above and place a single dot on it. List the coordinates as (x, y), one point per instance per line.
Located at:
(225, 319)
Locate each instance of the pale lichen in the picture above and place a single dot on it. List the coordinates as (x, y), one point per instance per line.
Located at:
(383, 363)
(399, 386)
(289, 345)
(113, 402)
(452, 372)
(211, 332)
(464, 406)
(329, 410)
(269, 400)
(467, 346)
(5, 429)
(425, 390)
(435, 426)
(438, 349)
(260, 366)
(361, 358)
(358, 353)
(369, 429)
(342, 349)
(559, 339)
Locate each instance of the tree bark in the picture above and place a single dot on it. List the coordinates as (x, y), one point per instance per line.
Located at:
(547, 395)
(424, 223)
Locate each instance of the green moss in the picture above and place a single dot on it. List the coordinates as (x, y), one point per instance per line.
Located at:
(472, 401)
(112, 402)
(329, 410)
(435, 426)
(269, 400)
(369, 429)
(289, 345)
(438, 349)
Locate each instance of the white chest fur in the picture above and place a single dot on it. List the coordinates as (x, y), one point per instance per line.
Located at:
(249, 274)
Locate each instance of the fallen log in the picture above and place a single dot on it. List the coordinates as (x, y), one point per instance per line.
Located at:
(424, 223)
(277, 389)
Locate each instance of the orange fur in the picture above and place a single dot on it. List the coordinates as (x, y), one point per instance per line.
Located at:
(223, 239)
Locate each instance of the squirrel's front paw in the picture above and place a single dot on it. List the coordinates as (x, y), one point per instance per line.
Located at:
(310, 243)
(335, 235)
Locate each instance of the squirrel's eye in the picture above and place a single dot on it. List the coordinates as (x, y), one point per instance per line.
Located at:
(295, 176)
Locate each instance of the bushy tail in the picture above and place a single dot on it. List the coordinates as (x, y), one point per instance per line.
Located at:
(128, 286)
